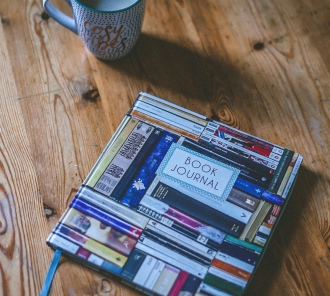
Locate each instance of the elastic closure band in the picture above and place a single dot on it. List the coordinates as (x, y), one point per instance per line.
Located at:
(51, 272)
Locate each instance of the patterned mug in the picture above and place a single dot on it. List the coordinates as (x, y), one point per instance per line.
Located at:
(108, 28)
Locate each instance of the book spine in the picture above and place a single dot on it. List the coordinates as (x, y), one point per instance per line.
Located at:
(223, 206)
(244, 136)
(154, 275)
(90, 196)
(244, 200)
(182, 239)
(249, 174)
(272, 198)
(166, 280)
(91, 245)
(190, 285)
(172, 258)
(287, 174)
(174, 246)
(96, 230)
(106, 218)
(133, 264)
(136, 163)
(224, 281)
(246, 255)
(280, 171)
(119, 165)
(243, 243)
(236, 271)
(144, 271)
(110, 153)
(166, 126)
(183, 219)
(178, 284)
(292, 177)
(234, 262)
(208, 290)
(146, 173)
(236, 154)
(249, 187)
(194, 208)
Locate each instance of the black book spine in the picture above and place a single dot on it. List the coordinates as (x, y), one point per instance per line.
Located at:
(196, 209)
(131, 171)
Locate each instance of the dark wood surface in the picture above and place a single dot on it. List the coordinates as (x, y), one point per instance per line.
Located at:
(258, 65)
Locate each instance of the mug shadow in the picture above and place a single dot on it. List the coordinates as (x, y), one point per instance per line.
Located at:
(159, 63)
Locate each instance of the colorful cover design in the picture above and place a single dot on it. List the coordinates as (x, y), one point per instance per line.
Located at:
(178, 204)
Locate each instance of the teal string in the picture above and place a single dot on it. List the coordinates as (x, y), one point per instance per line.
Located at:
(51, 272)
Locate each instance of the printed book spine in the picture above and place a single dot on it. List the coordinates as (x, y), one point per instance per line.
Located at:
(292, 177)
(90, 196)
(244, 136)
(251, 230)
(145, 270)
(146, 173)
(77, 252)
(174, 246)
(272, 198)
(280, 171)
(247, 173)
(154, 275)
(227, 142)
(133, 264)
(166, 126)
(249, 187)
(178, 284)
(96, 230)
(119, 165)
(272, 215)
(185, 264)
(194, 208)
(91, 245)
(235, 154)
(106, 218)
(182, 239)
(224, 281)
(170, 116)
(166, 280)
(234, 262)
(208, 290)
(236, 271)
(183, 219)
(243, 243)
(287, 174)
(110, 153)
(190, 285)
(242, 253)
(132, 169)
(244, 200)
(225, 207)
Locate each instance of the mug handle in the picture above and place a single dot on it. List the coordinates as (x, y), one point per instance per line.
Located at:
(60, 17)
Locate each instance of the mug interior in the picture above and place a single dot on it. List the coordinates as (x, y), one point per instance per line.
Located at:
(107, 5)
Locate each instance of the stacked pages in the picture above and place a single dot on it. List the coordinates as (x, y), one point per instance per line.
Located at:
(178, 204)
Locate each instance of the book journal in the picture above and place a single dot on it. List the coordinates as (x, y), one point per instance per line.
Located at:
(178, 203)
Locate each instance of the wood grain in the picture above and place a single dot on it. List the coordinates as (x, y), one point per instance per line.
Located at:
(261, 66)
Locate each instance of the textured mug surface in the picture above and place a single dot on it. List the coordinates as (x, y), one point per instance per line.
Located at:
(109, 35)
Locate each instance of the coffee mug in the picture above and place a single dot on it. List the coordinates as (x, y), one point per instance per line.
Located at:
(108, 28)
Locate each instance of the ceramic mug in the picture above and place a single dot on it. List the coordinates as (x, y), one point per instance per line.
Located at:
(108, 28)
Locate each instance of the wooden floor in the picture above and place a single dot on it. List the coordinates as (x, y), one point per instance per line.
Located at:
(258, 65)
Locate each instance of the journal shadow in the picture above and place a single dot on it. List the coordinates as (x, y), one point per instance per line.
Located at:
(276, 254)
(161, 64)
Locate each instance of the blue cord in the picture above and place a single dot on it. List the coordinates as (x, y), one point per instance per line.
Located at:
(50, 274)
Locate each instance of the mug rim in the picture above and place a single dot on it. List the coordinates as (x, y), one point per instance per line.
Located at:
(107, 11)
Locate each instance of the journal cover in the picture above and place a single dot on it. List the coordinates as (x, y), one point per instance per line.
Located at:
(177, 203)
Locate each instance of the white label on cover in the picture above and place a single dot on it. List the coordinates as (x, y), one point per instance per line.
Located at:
(198, 172)
(64, 244)
(95, 260)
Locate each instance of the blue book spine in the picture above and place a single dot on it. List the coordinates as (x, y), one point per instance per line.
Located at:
(239, 252)
(191, 285)
(146, 173)
(105, 217)
(272, 198)
(131, 171)
(249, 187)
